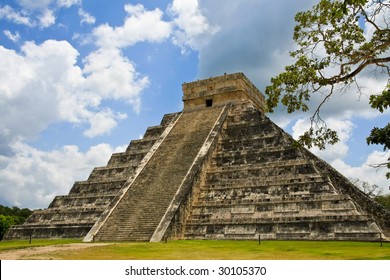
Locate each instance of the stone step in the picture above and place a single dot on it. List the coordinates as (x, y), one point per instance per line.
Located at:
(153, 132)
(255, 173)
(119, 173)
(81, 201)
(260, 166)
(352, 227)
(256, 157)
(53, 231)
(243, 130)
(104, 187)
(276, 185)
(168, 118)
(272, 200)
(284, 219)
(132, 158)
(140, 145)
(68, 216)
(259, 143)
(38, 225)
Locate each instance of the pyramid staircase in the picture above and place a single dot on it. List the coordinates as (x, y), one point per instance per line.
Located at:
(143, 206)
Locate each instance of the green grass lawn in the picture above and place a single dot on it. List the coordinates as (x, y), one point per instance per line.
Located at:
(215, 250)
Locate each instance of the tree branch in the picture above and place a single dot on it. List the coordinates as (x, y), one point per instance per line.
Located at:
(339, 78)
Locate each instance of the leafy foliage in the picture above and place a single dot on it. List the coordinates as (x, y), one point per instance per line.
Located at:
(381, 136)
(373, 191)
(384, 200)
(333, 49)
(12, 216)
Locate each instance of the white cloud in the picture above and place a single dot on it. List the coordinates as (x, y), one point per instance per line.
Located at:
(140, 25)
(366, 172)
(46, 84)
(68, 3)
(102, 122)
(192, 26)
(39, 13)
(46, 18)
(13, 37)
(17, 17)
(110, 74)
(335, 154)
(34, 4)
(31, 178)
(344, 129)
(254, 37)
(86, 17)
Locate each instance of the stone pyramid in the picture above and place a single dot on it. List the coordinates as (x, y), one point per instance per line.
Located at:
(220, 169)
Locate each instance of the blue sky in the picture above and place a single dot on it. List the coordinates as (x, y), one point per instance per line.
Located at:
(79, 79)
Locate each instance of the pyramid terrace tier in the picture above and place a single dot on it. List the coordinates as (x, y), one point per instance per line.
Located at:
(236, 199)
(113, 173)
(86, 214)
(52, 231)
(93, 200)
(285, 169)
(130, 159)
(331, 227)
(102, 187)
(245, 209)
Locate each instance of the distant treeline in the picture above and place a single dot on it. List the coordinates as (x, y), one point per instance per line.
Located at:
(384, 200)
(10, 216)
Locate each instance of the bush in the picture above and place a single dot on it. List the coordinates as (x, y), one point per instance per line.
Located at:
(12, 216)
(384, 200)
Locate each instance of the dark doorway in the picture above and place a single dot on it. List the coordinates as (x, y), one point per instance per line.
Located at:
(209, 102)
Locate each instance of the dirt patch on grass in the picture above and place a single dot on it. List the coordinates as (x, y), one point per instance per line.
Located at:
(40, 253)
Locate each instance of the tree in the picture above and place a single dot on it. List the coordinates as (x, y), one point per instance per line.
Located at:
(12, 216)
(333, 49)
(384, 200)
(371, 190)
(5, 223)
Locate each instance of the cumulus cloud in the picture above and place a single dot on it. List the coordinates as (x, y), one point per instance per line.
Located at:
(46, 84)
(31, 178)
(112, 75)
(192, 27)
(336, 154)
(140, 25)
(17, 17)
(254, 37)
(46, 18)
(42, 15)
(344, 130)
(38, 13)
(366, 172)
